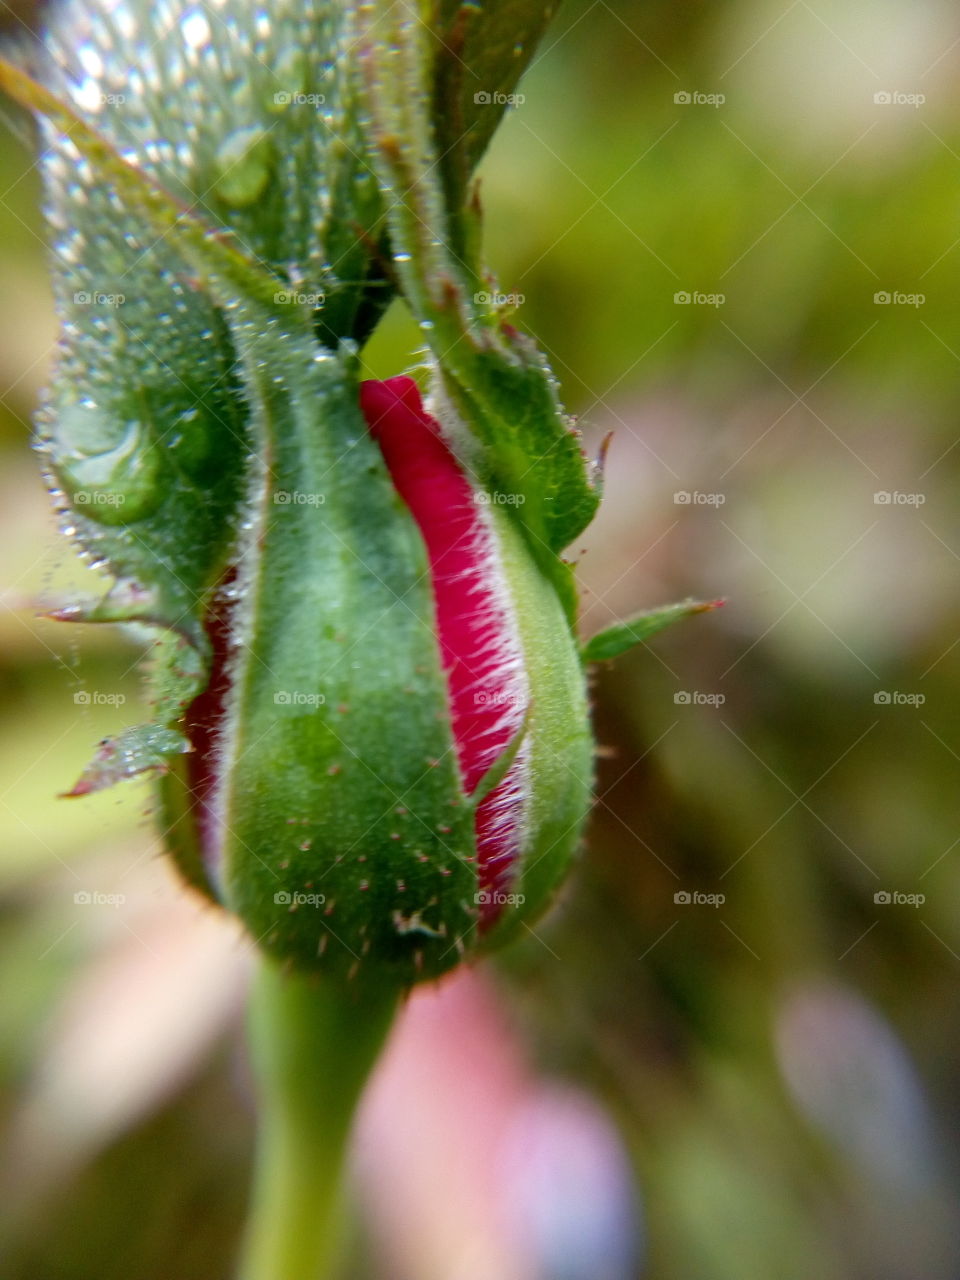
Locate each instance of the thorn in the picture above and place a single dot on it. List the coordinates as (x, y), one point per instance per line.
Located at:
(601, 461)
(66, 613)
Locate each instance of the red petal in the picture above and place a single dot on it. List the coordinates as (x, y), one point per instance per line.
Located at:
(480, 652)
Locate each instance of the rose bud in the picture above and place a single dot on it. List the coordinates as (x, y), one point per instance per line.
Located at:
(514, 680)
(391, 761)
(370, 720)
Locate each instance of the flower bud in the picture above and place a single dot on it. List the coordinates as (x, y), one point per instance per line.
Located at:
(514, 681)
(376, 787)
(370, 723)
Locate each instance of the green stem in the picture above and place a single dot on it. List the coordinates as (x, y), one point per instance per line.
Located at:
(313, 1044)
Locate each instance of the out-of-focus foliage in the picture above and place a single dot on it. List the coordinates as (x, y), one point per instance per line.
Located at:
(782, 1063)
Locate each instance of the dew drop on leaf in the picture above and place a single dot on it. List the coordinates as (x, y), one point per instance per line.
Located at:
(243, 164)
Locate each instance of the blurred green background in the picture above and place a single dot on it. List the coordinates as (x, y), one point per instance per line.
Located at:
(755, 969)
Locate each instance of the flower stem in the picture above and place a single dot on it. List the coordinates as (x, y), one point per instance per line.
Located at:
(313, 1045)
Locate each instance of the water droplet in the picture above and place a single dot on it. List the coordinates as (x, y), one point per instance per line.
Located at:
(90, 60)
(87, 95)
(243, 162)
(195, 29)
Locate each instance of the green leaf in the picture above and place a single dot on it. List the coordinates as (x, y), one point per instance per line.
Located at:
(246, 116)
(145, 423)
(617, 639)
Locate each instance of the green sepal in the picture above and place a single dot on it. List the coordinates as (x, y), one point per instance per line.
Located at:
(144, 748)
(340, 778)
(126, 601)
(498, 381)
(178, 671)
(501, 766)
(480, 52)
(181, 836)
(613, 641)
(558, 747)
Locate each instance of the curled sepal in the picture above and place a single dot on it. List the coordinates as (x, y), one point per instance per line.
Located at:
(138, 750)
(623, 636)
(178, 671)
